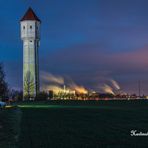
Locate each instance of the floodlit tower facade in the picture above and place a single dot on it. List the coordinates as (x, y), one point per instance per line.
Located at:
(30, 35)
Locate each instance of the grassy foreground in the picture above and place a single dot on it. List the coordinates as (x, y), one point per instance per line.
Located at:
(9, 127)
(74, 124)
(86, 124)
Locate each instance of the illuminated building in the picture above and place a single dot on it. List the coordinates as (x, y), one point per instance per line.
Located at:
(30, 34)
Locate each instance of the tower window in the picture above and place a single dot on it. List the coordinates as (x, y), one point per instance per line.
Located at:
(30, 27)
(23, 27)
(30, 40)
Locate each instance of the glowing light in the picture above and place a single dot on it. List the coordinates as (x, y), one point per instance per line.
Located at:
(107, 89)
(78, 89)
(57, 81)
(55, 88)
(8, 106)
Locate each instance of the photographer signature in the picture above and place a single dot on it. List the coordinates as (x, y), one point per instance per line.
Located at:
(138, 133)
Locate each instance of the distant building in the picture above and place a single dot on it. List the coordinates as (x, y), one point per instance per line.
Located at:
(30, 34)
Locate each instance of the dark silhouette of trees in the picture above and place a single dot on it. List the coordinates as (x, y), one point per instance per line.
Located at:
(41, 96)
(16, 95)
(3, 84)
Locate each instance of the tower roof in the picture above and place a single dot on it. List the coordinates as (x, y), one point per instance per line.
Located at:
(30, 15)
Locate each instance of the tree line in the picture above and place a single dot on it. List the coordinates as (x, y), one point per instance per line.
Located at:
(5, 92)
(3, 84)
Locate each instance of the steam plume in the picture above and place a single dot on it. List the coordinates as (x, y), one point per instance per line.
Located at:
(115, 84)
(48, 77)
(107, 89)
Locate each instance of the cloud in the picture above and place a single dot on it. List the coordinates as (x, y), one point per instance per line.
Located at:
(92, 64)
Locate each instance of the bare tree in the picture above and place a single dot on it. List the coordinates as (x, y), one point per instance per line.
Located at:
(3, 84)
(29, 85)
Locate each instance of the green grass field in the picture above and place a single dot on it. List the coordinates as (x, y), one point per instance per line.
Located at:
(82, 124)
(9, 127)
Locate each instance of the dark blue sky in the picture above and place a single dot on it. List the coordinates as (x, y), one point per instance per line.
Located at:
(90, 41)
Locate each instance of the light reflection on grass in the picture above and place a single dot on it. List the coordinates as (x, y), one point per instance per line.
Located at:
(54, 106)
(72, 107)
(8, 106)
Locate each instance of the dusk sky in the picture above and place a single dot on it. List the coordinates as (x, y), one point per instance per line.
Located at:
(90, 41)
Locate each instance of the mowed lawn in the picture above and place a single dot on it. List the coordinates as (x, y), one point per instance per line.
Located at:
(9, 127)
(83, 124)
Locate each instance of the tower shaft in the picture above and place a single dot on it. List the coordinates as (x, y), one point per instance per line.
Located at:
(30, 68)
